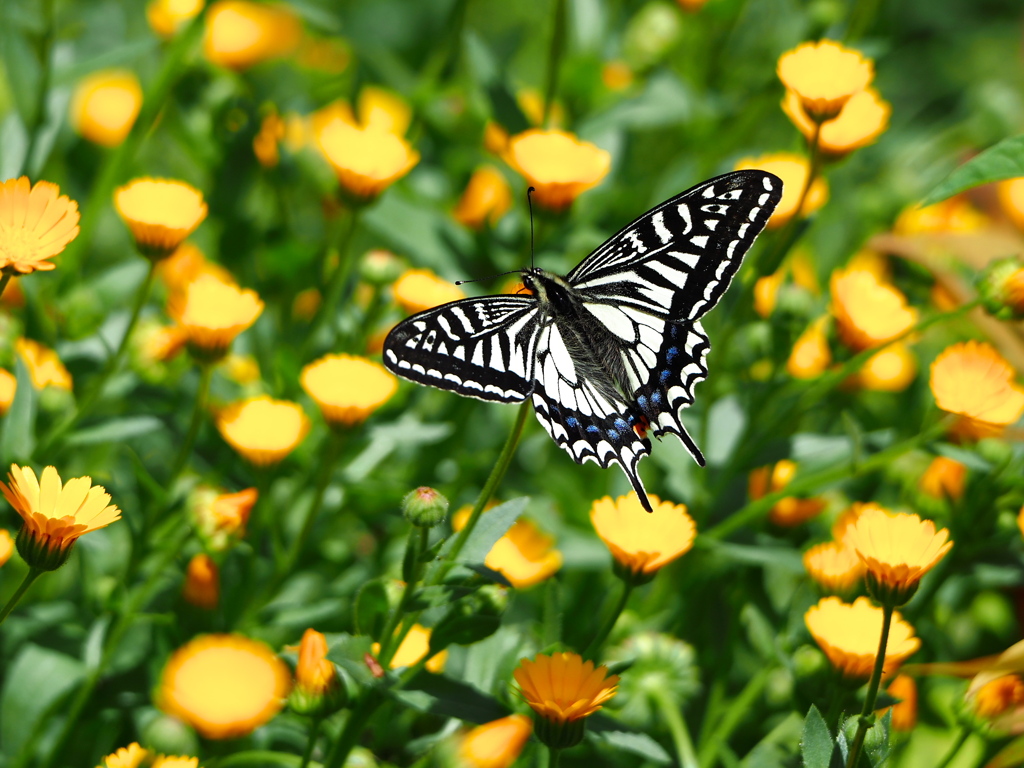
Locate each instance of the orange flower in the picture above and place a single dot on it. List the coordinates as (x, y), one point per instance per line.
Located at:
(240, 34)
(6, 545)
(973, 380)
(1011, 198)
(834, 566)
(997, 696)
(44, 367)
(418, 290)
(892, 369)
(955, 215)
(868, 311)
(810, 356)
(496, 744)
(862, 120)
(557, 164)
(264, 144)
(214, 312)
(414, 647)
(945, 477)
(904, 714)
(642, 543)
(347, 388)
(263, 430)
(793, 170)
(849, 635)
(202, 582)
(487, 198)
(790, 510)
(367, 159)
(562, 687)
(8, 388)
(314, 673)
(824, 75)
(36, 223)
(160, 213)
(220, 518)
(166, 17)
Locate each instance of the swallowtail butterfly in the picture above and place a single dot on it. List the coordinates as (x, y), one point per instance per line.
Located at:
(614, 348)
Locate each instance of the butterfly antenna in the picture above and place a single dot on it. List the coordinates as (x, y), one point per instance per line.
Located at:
(529, 202)
(478, 279)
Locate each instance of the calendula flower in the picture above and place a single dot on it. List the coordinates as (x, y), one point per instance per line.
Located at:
(810, 356)
(36, 223)
(496, 744)
(214, 313)
(999, 698)
(55, 515)
(892, 369)
(834, 566)
(241, 369)
(558, 165)
(166, 17)
(157, 343)
(418, 290)
(104, 106)
(616, 75)
(824, 75)
(413, 648)
(173, 761)
(44, 367)
(160, 213)
(6, 545)
(263, 430)
(793, 170)
(1011, 199)
(869, 312)
(240, 34)
(790, 510)
(862, 120)
(954, 215)
(224, 686)
(766, 292)
(264, 144)
(131, 756)
(182, 268)
(367, 159)
(525, 555)
(904, 713)
(318, 690)
(8, 388)
(897, 550)
(1001, 288)
(563, 690)
(944, 478)
(384, 110)
(849, 635)
(972, 379)
(202, 582)
(488, 197)
(642, 543)
(220, 518)
(347, 388)
(495, 138)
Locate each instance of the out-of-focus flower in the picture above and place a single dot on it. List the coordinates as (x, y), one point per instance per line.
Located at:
(55, 515)
(616, 75)
(104, 106)
(166, 17)
(972, 379)
(892, 369)
(944, 478)
(793, 170)
(642, 544)
(8, 388)
(383, 110)
(824, 76)
(1001, 288)
(418, 290)
(240, 34)
(558, 165)
(380, 267)
(790, 510)
(1011, 198)
(159, 343)
(868, 311)
(495, 138)
(766, 292)
(487, 198)
(954, 215)
(525, 555)
(904, 713)
(36, 223)
(174, 761)
(241, 369)
(849, 635)
(44, 367)
(182, 268)
(263, 430)
(306, 304)
(867, 260)
(202, 582)
(6, 545)
(862, 120)
(414, 647)
(318, 690)
(662, 668)
(214, 312)
(329, 54)
(834, 566)
(264, 143)
(496, 744)
(810, 356)
(160, 213)
(367, 159)
(999, 698)
(347, 388)
(531, 103)
(224, 686)
(220, 518)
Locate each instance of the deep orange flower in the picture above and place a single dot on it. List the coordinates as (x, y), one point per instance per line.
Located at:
(104, 106)
(643, 543)
(944, 478)
(263, 430)
(849, 635)
(220, 518)
(824, 75)
(793, 170)
(904, 714)
(562, 687)
(487, 198)
(418, 290)
(202, 582)
(557, 164)
(496, 744)
(36, 223)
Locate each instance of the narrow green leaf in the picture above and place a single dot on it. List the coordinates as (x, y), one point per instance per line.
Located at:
(635, 743)
(1005, 160)
(817, 745)
(348, 652)
(440, 695)
(37, 680)
(462, 630)
(116, 430)
(493, 524)
(18, 441)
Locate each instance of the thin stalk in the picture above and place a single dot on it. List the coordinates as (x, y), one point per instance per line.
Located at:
(554, 59)
(556, 757)
(39, 115)
(366, 705)
(954, 749)
(326, 470)
(866, 719)
(205, 374)
(609, 622)
(708, 752)
(677, 727)
(419, 540)
(338, 280)
(31, 576)
(314, 731)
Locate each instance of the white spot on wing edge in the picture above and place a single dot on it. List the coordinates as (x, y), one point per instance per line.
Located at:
(658, 220)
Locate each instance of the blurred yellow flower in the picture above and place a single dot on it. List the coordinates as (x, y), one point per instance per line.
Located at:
(766, 292)
(868, 311)
(159, 343)
(104, 106)
(179, 270)
(8, 388)
(36, 223)
(6, 545)
(347, 388)
(892, 369)
(160, 213)
(810, 356)
(214, 312)
(944, 478)
(862, 120)
(562, 687)
(224, 686)
(241, 369)
(616, 75)
(383, 110)
(264, 144)
(418, 290)
(306, 304)
(496, 744)
(495, 138)
(835, 567)
(171, 761)
(166, 17)
(793, 170)
(1011, 199)
(525, 555)
(202, 582)
(849, 635)
(414, 647)
(263, 430)
(367, 159)
(972, 379)
(44, 367)
(240, 34)
(220, 518)
(790, 510)
(955, 215)
(824, 75)
(558, 165)
(487, 198)
(643, 543)
(131, 756)
(904, 713)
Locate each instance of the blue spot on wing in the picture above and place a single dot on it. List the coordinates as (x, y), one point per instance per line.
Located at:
(671, 354)
(572, 422)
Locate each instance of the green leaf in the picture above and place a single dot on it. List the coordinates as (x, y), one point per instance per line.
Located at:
(440, 695)
(25, 73)
(1003, 161)
(816, 746)
(1009, 756)
(607, 732)
(759, 631)
(462, 630)
(116, 430)
(18, 439)
(37, 680)
(349, 653)
(372, 607)
(493, 524)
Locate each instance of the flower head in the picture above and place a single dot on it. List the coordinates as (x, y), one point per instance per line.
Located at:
(810, 356)
(487, 198)
(202, 582)
(955, 215)
(264, 143)
(663, 670)
(788, 511)
(849, 635)
(557, 164)
(525, 555)
(1001, 696)
(263, 430)
(413, 648)
(834, 566)
(642, 543)
(105, 104)
(1011, 199)
(224, 686)
(160, 213)
(8, 388)
(55, 515)
(220, 518)
(36, 223)
(131, 756)
(214, 312)
(891, 369)
(904, 713)
(44, 367)
(824, 75)
(418, 290)
(240, 34)
(347, 388)
(862, 120)
(766, 293)
(383, 110)
(973, 380)
(793, 170)
(182, 268)
(6, 545)
(496, 744)
(944, 478)
(1001, 287)
(869, 312)
(367, 159)
(166, 17)
(318, 690)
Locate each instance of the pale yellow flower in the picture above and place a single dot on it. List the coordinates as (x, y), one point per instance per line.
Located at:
(160, 213)
(104, 106)
(418, 290)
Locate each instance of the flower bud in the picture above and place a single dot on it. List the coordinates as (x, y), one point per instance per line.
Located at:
(380, 267)
(168, 735)
(318, 691)
(424, 507)
(1001, 287)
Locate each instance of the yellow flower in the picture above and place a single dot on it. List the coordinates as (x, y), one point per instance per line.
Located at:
(44, 367)
(897, 550)
(131, 756)
(835, 567)
(868, 311)
(224, 686)
(904, 714)
(264, 144)
(562, 687)
(643, 543)
(944, 478)
(242, 369)
(8, 388)
(418, 290)
(766, 292)
(487, 198)
(824, 75)
(166, 17)
(367, 159)
(849, 636)
(55, 515)
(158, 343)
(495, 138)
(616, 75)
(383, 110)
(263, 430)
(104, 106)
(524, 555)
(810, 356)
(892, 369)
(347, 388)
(973, 380)
(496, 744)
(6, 545)
(557, 164)
(414, 647)
(202, 582)
(160, 213)
(240, 34)
(170, 761)
(215, 312)
(220, 518)
(793, 170)
(182, 268)
(1011, 199)
(790, 510)
(955, 215)
(36, 223)
(862, 120)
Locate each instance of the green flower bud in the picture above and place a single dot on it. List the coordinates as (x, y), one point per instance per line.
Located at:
(425, 507)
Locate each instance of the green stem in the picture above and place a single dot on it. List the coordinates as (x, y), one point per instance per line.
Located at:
(39, 115)
(555, 758)
(554, 59)
(326, 470)
(609, 622)
(677, 727)
(740, 707)
(205, 375)
(314, 731)
(31, 576)
(361, 714)
(958, 742)
(338, 281)
(867, 719)
(419, 540)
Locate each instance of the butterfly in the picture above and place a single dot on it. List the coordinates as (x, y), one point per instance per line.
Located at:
(612, 350)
